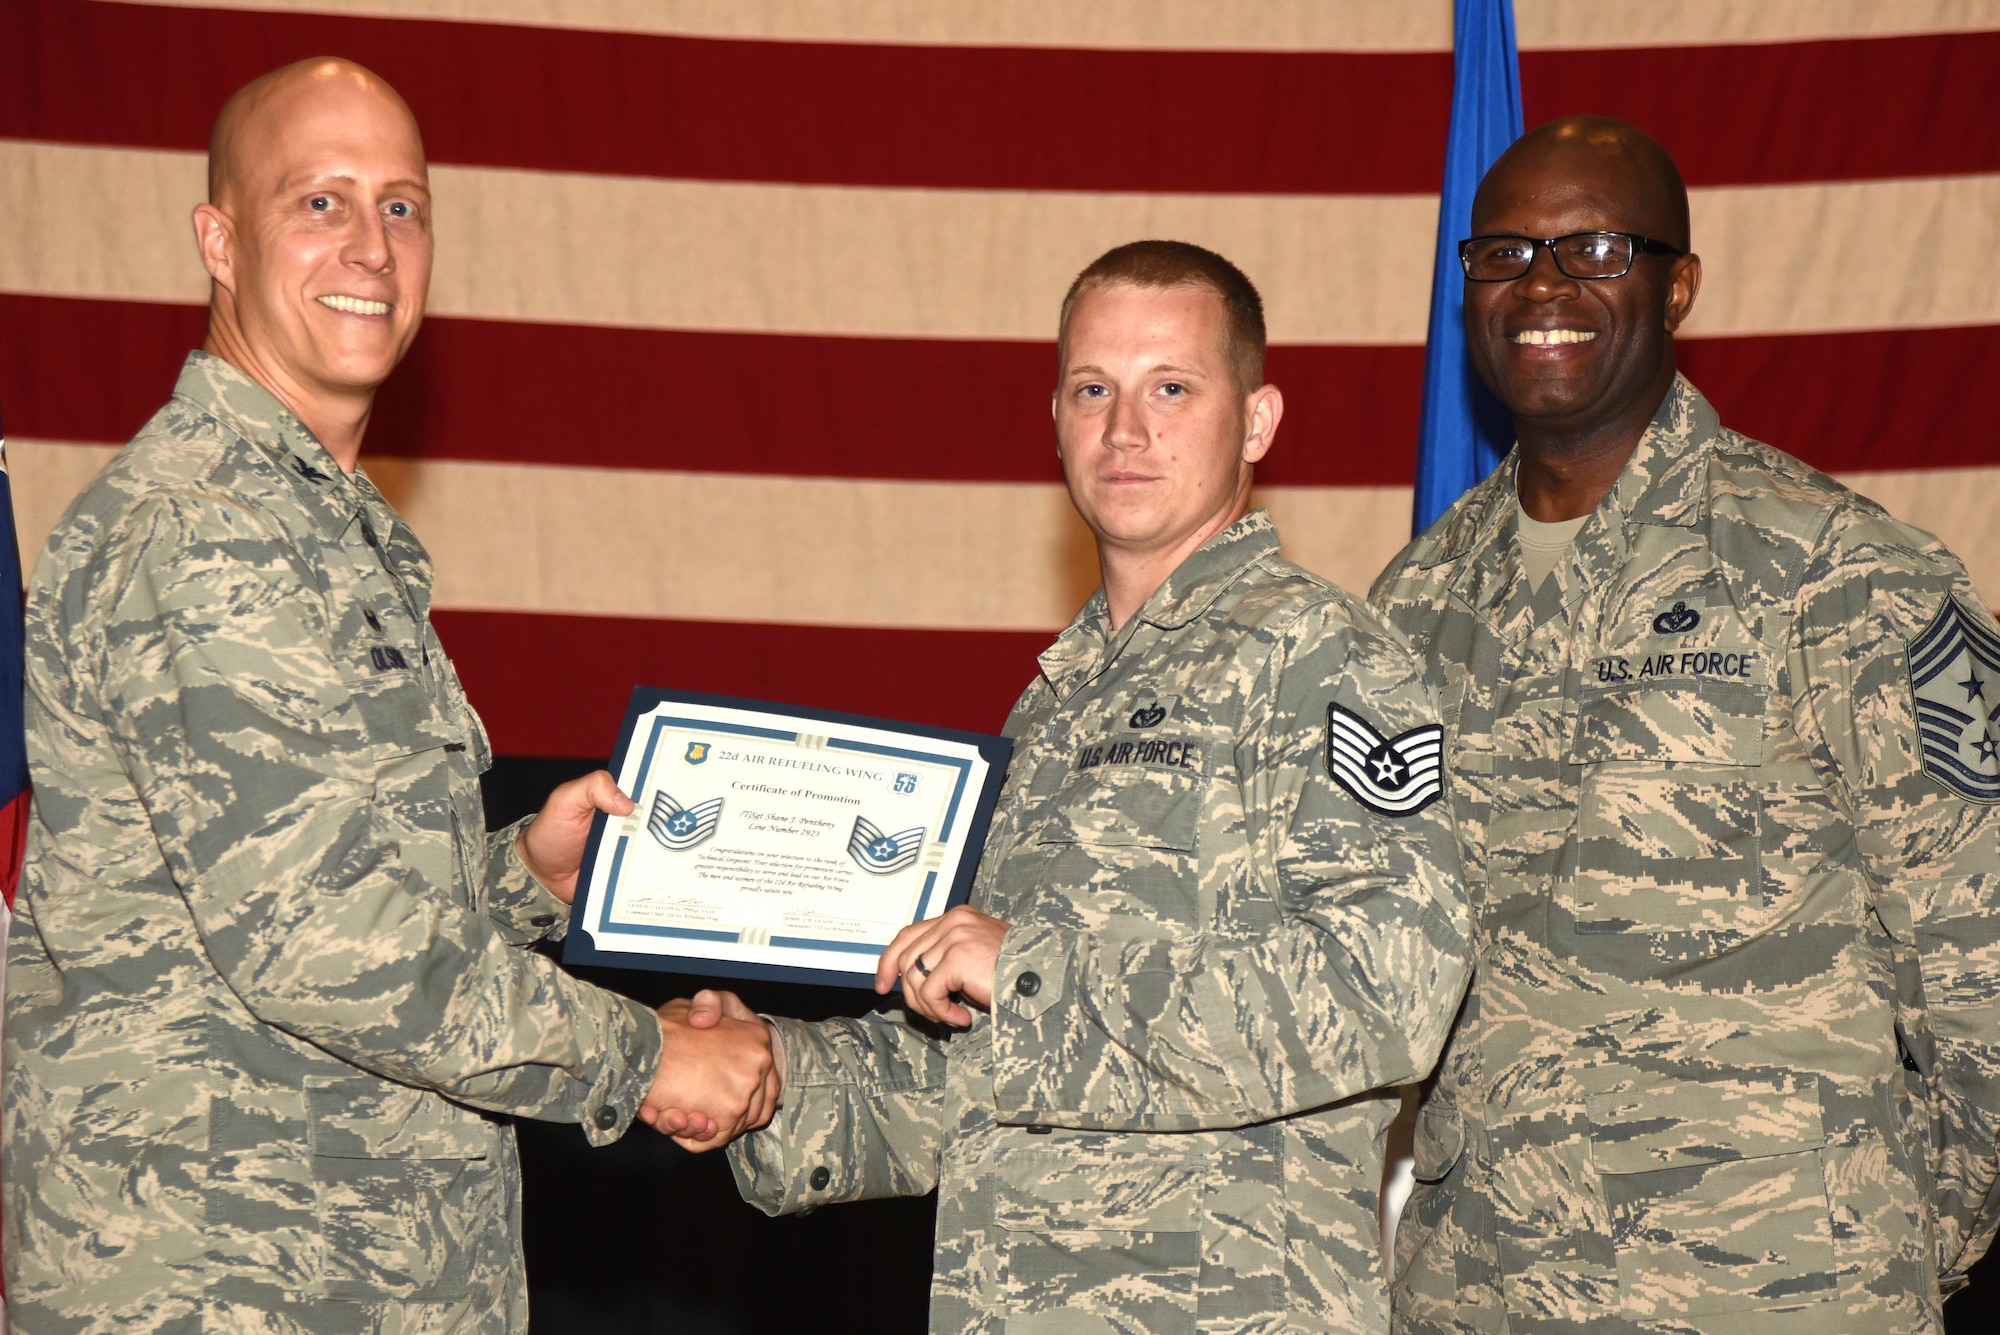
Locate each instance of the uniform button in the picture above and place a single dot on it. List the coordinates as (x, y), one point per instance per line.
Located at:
(820, 1178)
(1028, 984)
(1040, 1130)
(607, 1117)
(542, 920)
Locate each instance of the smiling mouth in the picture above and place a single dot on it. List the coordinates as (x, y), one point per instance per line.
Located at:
(354, 305)
(1536, 338)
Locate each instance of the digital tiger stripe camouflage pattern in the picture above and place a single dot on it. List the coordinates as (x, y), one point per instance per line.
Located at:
(1733, 1043)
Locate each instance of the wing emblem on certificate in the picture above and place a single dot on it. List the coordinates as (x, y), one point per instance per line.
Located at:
(778, 842)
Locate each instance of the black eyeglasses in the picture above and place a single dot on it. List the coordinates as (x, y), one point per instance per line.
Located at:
(1502, 259)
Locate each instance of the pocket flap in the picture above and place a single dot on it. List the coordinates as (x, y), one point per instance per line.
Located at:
(1099, 1191)
(1702, 722)
(364, 1117)
(1437, 1141)
(1686, 1124)
(1127, 808)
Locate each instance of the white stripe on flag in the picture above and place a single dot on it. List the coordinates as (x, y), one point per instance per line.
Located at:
(1269, 25)
(1338, 269)
(940, 555)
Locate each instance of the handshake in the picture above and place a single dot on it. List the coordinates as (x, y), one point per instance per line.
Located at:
(722, 1070)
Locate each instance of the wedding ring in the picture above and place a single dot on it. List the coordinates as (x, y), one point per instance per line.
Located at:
(922, 967)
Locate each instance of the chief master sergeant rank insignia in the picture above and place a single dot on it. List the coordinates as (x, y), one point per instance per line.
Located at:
(1955, 676)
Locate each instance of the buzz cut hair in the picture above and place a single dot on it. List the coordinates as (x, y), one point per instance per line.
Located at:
(1168, 264)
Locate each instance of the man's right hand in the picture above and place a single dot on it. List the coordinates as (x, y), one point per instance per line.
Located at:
(718, 1076)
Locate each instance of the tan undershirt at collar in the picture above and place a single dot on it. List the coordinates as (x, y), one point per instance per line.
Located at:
(1542, 545)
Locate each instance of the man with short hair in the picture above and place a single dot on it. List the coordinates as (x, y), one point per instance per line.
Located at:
(1722, 741)
(269, 976)
(1217, 914)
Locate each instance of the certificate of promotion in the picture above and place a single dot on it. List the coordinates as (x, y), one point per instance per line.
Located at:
(777, 842)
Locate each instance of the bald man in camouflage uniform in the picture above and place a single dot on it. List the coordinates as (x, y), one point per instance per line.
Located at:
(1217, 911)
(269, 979)
(1724, 769)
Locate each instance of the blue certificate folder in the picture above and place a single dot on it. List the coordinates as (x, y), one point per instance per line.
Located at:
(778, 842)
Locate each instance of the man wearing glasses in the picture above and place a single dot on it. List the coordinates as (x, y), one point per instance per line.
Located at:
(1723, 738)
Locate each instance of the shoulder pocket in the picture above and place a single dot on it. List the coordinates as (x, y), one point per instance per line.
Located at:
(1717, 1195)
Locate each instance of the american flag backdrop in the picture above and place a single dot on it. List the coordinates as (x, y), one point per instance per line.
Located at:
(741, 343)
(738, 369)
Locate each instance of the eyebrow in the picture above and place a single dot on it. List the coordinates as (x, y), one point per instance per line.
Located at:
(1164, 368)
(291, 183)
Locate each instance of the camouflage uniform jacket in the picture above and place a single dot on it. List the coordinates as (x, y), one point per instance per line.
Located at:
(1713, 885)
(1216, 953)
(268, 962)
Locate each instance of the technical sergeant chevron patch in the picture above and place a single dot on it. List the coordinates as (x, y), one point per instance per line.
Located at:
(1394, 776)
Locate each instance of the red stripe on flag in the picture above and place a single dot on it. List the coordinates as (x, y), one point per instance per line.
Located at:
(13, 844)
(557, 685)
(1052, 119)
(950, 411)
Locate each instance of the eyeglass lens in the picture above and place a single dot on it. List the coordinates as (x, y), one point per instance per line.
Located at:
(1585, 255)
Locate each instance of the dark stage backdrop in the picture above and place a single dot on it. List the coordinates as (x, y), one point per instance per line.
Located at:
(740, 345)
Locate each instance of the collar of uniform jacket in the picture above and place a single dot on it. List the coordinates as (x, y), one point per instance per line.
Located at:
(253, 414)
(1664, 483)
(1186, 594)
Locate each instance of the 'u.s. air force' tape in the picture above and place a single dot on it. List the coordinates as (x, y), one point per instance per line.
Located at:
(1395, 776)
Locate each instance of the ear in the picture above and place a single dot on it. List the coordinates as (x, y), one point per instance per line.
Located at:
(215, 238)
(1683, 284)
(1263, 409)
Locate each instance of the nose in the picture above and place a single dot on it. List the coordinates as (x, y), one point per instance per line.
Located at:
(1123, 427)
(368, 245)
(1544, 281)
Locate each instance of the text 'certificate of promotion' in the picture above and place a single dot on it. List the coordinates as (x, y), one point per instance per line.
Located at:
(773, 842)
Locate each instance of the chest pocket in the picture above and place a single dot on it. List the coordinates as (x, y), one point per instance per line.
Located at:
(1127, 808)
(421, 762)
(1119, 840)
(1669, 815)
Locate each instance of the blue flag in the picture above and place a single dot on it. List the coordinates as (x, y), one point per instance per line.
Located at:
(1464, 432)
(13, 734)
